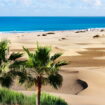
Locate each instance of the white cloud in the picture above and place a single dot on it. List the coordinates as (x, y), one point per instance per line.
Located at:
(52, 7)
(26, 2)
(16, 2)
(93, 2)
(53, 4)
(98, 3)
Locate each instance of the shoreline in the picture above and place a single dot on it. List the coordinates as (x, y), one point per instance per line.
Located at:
(34, 31)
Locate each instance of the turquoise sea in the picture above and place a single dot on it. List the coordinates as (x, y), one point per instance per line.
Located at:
(23, 24)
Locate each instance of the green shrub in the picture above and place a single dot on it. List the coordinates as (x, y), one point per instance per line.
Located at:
(9, 97)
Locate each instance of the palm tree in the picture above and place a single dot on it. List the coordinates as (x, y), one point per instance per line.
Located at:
(8, 64)
(42, 69)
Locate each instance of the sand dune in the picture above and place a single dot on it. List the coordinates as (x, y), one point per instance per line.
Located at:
(87, 57)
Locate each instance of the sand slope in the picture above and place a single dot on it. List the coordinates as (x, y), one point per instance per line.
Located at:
(87, 56)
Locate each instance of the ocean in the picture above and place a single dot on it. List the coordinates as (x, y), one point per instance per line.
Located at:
(31, 24)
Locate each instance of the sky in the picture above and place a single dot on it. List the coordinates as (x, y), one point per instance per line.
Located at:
(52, 7)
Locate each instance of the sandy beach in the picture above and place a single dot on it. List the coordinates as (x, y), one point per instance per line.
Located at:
(85, 50)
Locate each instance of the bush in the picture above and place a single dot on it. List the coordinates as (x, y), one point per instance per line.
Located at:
(9, 97)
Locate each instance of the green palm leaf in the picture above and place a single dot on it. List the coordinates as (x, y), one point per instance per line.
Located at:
(6, 80)
(15, 56)
(9, 64)
(55, 56)
(55, 80)
(61, 63)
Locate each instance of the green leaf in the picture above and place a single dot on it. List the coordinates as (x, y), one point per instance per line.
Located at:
(17, 64)
(61, 63)
(55, 56)
(6, 80)
(15, 56)
(4, 50)
(42, 55)
(55, 80)
(28, 52)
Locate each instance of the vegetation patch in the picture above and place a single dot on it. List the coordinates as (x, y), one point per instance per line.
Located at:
(96, 36)
(10, 97)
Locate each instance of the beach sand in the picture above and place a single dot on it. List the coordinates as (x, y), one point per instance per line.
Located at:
(86, 54)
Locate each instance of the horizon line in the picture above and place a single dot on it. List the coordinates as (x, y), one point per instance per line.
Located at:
(52, 16)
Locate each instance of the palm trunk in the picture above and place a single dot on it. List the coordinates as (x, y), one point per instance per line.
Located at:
(38, 92)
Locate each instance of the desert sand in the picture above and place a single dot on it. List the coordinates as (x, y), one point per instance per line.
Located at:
(85, 50)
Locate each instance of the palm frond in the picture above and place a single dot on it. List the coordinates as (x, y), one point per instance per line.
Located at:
(6, 81)
(28, 52)
(42, 55)
(22, 77)
(15, 56)
(4, 67)
(17, 64)
(55, 56)
(61, 63)
(55, 80)
(26, 78)
(4, 44)
(4, 49)
(8, 65)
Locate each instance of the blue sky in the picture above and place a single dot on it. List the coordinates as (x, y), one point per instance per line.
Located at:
(52, 7)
